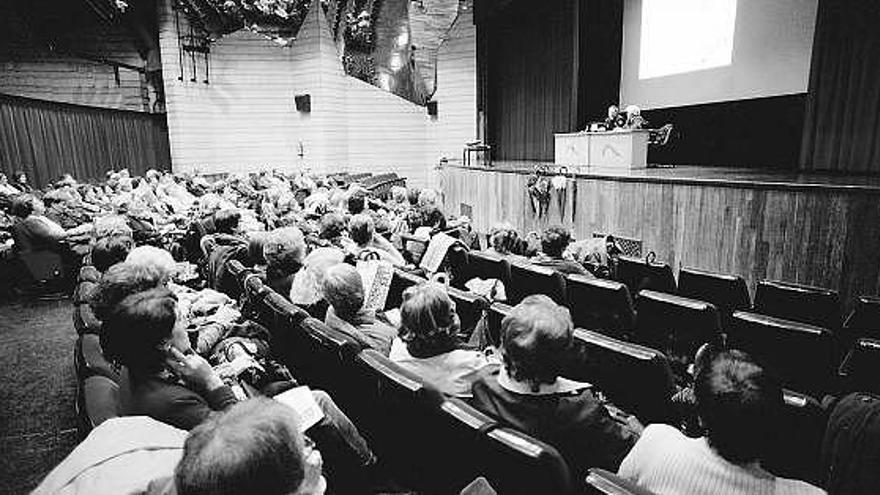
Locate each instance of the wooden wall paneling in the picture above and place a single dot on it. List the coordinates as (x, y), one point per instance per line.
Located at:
(816, 237)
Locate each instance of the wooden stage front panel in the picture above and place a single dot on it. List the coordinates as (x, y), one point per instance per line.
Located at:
(790, 230)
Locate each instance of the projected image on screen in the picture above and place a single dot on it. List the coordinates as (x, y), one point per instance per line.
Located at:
(685, 36)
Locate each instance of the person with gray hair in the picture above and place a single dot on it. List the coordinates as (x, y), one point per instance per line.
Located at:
(283, 250)
(254, 447)
(529, 394)
(344, 289)
(428, 342)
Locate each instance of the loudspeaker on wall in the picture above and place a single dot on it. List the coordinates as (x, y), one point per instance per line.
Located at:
(303, 103)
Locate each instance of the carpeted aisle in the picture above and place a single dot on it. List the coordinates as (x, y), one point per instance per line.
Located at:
(37, 391)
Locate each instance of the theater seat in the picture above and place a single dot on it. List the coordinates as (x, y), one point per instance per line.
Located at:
(486, 266)
(602, 305)
(803, 303)
(238, 272)
(496, 313)
(394, 413)
(638, 274)
(98, 402)
(801, 355)
(457, 262)
(635, 378)
(728, 293)
(413, 248)
(676, 325)
(469, 307)
(399, 283)
(860, 370)
(89, 359)
(44, 267)
(527, 279)
(863, 321)
(796, 447)
(602, 482)
(520, 464)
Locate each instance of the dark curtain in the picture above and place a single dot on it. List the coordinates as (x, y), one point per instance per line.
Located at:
(600, 36)
(531, 82)
(842, 124)
(46, 139)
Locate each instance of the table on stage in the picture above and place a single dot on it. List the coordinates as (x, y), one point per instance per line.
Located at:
(620, 149)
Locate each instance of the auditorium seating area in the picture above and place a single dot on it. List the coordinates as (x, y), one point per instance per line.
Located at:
(636, 338)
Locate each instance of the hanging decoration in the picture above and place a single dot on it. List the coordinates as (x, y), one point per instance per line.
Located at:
(538, 187)
(560, 184)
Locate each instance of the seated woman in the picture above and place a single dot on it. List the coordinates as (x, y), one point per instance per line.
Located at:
(428, 345)
(363, 232)
(106, 252)
(343, 289)
(166, 380)
(283, 250)
(737, 402)
(33, 231)
(528, 392)
(554, 240)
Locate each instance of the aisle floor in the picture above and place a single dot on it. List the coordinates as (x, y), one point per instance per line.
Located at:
(37, 391)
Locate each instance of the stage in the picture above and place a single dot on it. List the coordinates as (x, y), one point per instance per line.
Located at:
(814, 229)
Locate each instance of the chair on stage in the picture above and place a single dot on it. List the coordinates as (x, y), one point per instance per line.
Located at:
(728, 293)
(637, 379)
(640, 274)
(601, 305)
(803, 303)
(527, 279)
(801, 355)
(659, 137)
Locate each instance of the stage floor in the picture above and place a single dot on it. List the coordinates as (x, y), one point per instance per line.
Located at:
(702, 175)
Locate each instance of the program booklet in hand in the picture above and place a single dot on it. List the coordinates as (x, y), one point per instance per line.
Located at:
(302, 401)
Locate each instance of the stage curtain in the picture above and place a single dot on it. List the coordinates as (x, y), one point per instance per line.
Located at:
(531, 82)
(842, 124)
(46, 139)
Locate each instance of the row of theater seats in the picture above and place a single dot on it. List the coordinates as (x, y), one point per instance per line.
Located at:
(640, 379)
(431, 442)
(795, 329)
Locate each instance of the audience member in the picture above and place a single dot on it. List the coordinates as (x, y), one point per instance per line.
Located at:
(554, 241)
(344, 290)
(305, 291)
(164, 378)
(255, 447)
(738, 404)
(428, 343)
(528, 393)
(284, 250)
(363, 232)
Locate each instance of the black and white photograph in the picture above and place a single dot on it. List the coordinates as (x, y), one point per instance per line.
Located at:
(440, 247)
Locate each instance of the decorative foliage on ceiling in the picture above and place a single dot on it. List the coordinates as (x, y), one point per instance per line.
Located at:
(279, 19)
